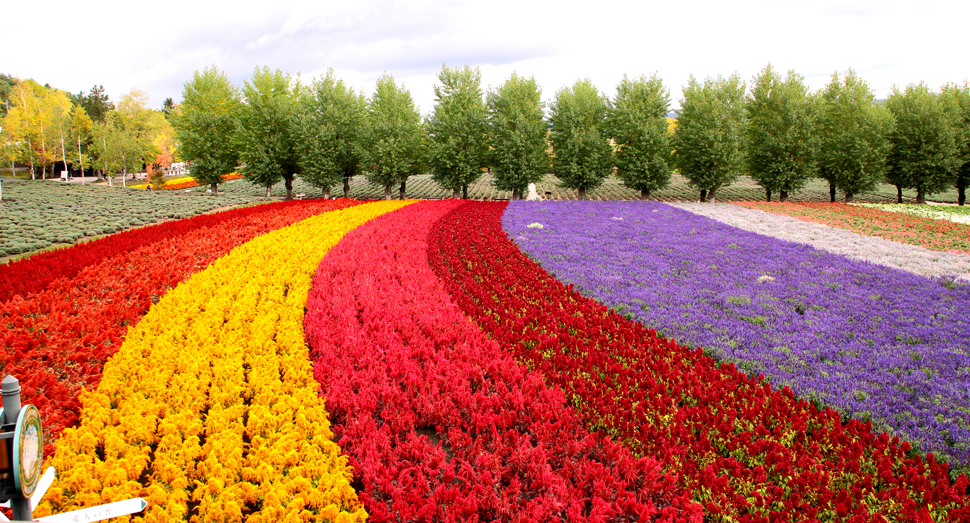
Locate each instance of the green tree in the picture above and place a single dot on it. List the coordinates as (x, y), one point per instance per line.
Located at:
(326, 128)
(956, 104)
(853, 136)
(205, 126)
(96, 103)
(782, 141)
(924, 154)
(457, 130)
(391, 141)
(7, 83)
(709, 142)
(517, 129)
(637, 123)
(582, 156)
(82, 132)
(266, 144)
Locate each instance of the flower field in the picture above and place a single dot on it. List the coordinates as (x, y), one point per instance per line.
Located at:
(909, 228)
(185, 182)
(406, 361)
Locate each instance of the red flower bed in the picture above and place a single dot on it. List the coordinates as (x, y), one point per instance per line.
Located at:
(745, 451)
(57, 340)
(33, 274)
(937, 235)
(438, 423)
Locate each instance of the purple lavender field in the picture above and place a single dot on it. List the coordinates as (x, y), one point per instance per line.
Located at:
(876, 343)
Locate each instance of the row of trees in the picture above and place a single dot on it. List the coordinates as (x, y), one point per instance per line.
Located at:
(783, 136)
(45, 127)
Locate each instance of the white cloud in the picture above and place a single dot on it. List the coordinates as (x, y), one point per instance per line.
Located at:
(155, 46)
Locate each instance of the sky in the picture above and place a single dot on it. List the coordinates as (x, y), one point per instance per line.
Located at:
(155, 46)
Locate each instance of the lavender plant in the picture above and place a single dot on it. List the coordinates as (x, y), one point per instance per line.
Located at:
(876, 343)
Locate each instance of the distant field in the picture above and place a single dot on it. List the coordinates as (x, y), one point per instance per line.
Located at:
(423, 187)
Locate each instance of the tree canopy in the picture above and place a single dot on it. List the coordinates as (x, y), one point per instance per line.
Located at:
(205, 125)
(266, 144)
(956, 104)
(709, 142)
(582, 156)
(782, 141)
(517, 129)
(924, 154)
(637, 123)
(391, 140)
(457, 129)
(854, 136)
(326, 128)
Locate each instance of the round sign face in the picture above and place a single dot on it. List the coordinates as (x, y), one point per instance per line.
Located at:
(28, 452)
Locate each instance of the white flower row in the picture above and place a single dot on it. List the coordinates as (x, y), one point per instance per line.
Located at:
(917, 260)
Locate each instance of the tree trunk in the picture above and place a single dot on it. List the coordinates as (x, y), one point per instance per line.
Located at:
(703, 195)
(64, 157)
(582, 194)
(326, 193)
(454, 194)
(899, 194)
(849, 197)
(767, 194)
(214, 187)
(387, 192)
(831, 192)
(920, 195)
(783, 197)
(346, 186)
(269, 190)
(516, 194)
(464, 192)
(403, 189)
(288, 183)
(710, 196)
(961, 195)
(644, 194)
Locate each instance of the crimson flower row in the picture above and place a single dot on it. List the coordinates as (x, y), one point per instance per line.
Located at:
(744, 450)
(438, 423)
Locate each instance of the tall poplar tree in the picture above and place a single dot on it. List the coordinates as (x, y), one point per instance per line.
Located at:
(457, 130)
(582, 157)
(637, 123)
(390, 143)
(326, 129)
(709, 142)
(924, 154)
(782, 141)
(205, 125)
(956, 104)
(517, 128)
(854, 136)
(264, 135)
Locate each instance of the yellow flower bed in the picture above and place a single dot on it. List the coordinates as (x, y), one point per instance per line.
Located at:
(210, 410)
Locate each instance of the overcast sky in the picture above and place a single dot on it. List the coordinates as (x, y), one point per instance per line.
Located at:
(156, 45)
